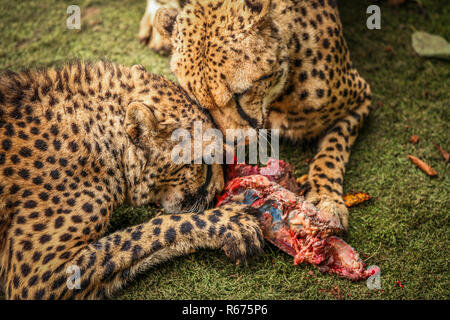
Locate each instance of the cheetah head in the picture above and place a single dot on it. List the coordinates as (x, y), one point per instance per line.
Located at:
(154, 172)
(228, 56)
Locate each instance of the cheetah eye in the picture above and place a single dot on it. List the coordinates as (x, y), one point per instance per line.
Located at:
(264, 77)
(267, 76)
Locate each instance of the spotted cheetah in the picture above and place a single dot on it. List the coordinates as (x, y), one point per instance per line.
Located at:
(149, 35)
(280, 64)
(75, 143)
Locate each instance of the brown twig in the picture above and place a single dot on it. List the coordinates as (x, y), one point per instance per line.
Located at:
(423, 166)
(444, 153)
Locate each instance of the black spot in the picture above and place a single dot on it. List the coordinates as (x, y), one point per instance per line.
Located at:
(77, 219)
(48, 258)
(212, 231)
(14, 189)
(59, 222)
(199, 222)
(136, 252)
(213, 218)
(46, 276)
(170, 235)
(329, 164)
(54, 174)
(65, 237)
(7, 172)
(49, 212)
(37, 180)
(87, 207)
(6, 144)
(303, 95)
(27, 245)
(39, 227)
(74, 128)
(24, 173)
(41, 145)
(222, 230)
(30, 204)
(303, 76)
(25, 152)
(73, 146)
(156, 245)
(25, 269)
(39, 294)
(45, 238)
(38, 164)
(54, 130)
(186, 227)
(36, 256)
(63, 162)
(51, 160)
(57, 144)
(136, 236)
(157, 221)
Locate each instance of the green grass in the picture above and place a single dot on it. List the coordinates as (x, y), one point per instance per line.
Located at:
(404, 229)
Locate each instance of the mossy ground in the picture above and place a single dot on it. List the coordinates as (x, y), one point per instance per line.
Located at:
(404, 229)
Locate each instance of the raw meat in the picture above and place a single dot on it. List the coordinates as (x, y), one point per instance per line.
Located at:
(291, 223)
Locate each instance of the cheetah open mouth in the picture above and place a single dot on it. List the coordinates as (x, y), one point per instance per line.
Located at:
(291, 223)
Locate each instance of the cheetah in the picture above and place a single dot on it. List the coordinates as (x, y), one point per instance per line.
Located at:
(75, 143)
(149, 35)
(276, 64)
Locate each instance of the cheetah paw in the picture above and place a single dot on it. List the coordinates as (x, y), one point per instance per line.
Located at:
(333, 208)
(242, 237)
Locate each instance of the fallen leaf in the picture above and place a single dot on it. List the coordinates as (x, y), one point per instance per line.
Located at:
(430, 45)
(423, 166)
(353, 199)
(92, 11)
(444, 153)
(414, 139)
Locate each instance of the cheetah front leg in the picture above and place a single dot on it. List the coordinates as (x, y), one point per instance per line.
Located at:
(150, 35)
(107, 264)
(326, 171)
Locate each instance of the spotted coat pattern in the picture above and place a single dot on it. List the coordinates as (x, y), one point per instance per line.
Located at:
(75, 143)
(282, 64)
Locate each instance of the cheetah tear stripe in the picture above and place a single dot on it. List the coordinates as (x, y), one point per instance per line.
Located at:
(293, 224)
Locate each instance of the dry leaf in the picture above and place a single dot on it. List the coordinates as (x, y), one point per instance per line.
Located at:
(353, 199)
(423, 166)
(444, 153)
(414, 139)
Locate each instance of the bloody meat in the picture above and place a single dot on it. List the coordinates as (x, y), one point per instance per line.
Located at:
(289, 222)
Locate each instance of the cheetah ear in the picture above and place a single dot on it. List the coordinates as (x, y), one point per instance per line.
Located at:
(164, 21)
(140, 121)
(258, 10)
(144, 120)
